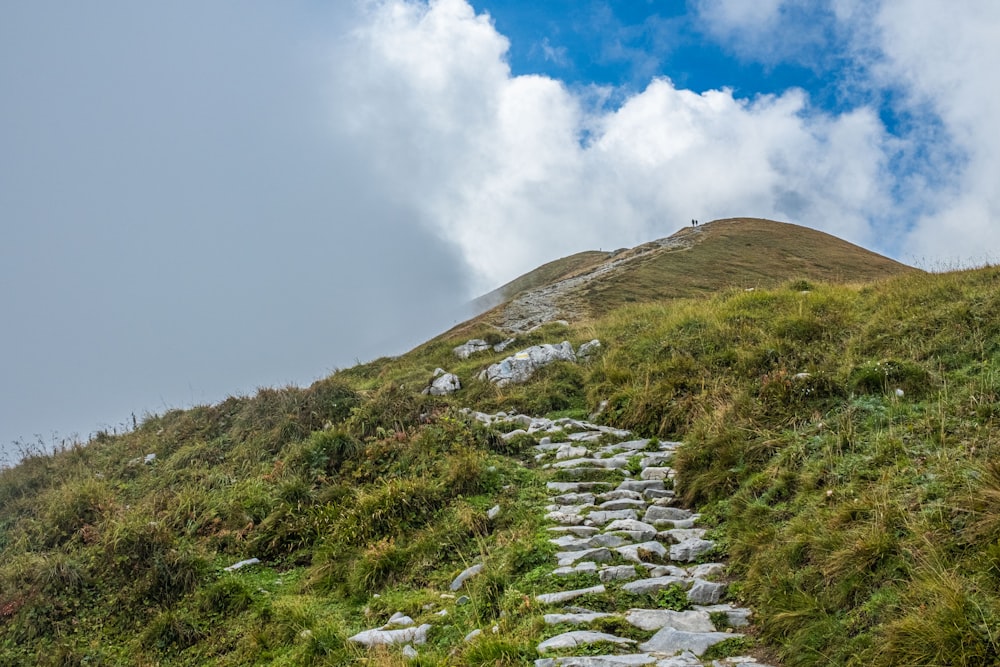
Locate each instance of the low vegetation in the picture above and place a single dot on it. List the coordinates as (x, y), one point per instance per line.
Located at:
(842, 440)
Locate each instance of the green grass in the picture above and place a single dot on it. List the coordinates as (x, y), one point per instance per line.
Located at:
(862, 522)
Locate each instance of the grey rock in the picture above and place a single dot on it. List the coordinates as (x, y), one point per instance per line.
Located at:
(654, 619)
(655, 459)
(606, 540)
(466, 574)
(500, 347)
(472, 635)
(241, 564)
(644, 586)
(609, 464)
(379, 637)
(576, 487)
(444, 385)
(399, 619)
(707, 570)
(565, 596)
(576, 638)
(564, 518)
(669, 640)
(586, 567)
(631, 552)
(588, 349)
(568, 451)
(679, 535)
(668, 571)
(738, 617)
(599, 555)
(623, 504)
(690, 550)
(619, 495)
(522, 365)
(656, 473)
(579, 531)
(493, 512)
(575, 619)
(618, 573)
(658, 513)
(410, 652)
(463, 600)
(629, 660)
(601, 517)
(632, 526)
(467, 349)
(575, 499)
(705, 592)
(641, 485)
(654, 494)
(570, 543)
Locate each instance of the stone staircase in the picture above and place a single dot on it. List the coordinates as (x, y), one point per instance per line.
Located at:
(643, 589)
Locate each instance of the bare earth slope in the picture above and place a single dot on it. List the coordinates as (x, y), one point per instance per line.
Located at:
(735, 252)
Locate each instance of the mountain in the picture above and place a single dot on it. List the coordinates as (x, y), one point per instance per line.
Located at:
(695, 261)
(829, 436)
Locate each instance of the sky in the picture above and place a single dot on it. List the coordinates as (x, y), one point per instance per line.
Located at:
(200, 199)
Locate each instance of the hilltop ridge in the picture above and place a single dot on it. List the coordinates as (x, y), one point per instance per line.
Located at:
(694, 261)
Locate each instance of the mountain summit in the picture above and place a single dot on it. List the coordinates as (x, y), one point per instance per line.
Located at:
(694, 261)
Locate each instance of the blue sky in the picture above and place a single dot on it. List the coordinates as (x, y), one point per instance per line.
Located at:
(200, 199)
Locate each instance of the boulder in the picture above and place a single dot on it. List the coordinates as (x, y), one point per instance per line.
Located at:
(380, 637)
(655, 619)
(669, 641)
(467, 349)
(690, 550)
(444, 384)
(521, 366)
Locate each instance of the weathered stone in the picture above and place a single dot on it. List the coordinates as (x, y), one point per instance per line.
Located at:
(669, 640)
(400, 620)
(737, 616)
(601, 517)
(705, 592)
(241, 564)
(641, 485)
(623, 504)
(656, 473)
(472, 635)
(577, 487)
(655, 459)
(379, 637)
(565, 596)
(493, 512)
(644, 586)
(619, 495)
(659, 513)
(570, 543)
(607, 540)
(668, 571)
(466, 574)
(654, 494)
(575, 619)
(599, 555)
(588, 349)
(585, 567)
(630, 660)
(521, 366)
(690, 550)
(613, 463)
(707, 570)
(579, 531)
(576, 638)
(567, 451)
(654, 619)
(443, 385)
(618, 573)
(632, 526)
(467, 349)
(564, 518)
(684, 534)
(632, 551)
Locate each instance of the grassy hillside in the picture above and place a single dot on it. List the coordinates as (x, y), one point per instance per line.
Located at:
(841, 438)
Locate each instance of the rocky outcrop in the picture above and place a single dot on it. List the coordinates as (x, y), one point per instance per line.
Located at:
(521, 366)
(443, 384)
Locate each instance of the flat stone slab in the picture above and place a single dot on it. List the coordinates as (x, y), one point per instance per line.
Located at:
(575, 499)
(565, 596)
(601, 517)
(579, 531)
(659, 513)
(646, 531)
(707, 570)
(670, 641)
(618, 573)
(623, 504)
(576, 619)
(705, 592)
(564, 518)
(600, 661)
(619, 495)
(378, 637)
(656, 473)
(631, 552)
(577, 487)
(690, 550)
(655, 619)
(668, 571)
(643, 586)
(611, 464)
(576, 638)
(608, 540)
(683, 534)
(586, 567)
(641, 485)
(738, 616)
(571, 543)
(655, 459)
(599, 555)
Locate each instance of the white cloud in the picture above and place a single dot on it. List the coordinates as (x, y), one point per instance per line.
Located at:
(517, 170)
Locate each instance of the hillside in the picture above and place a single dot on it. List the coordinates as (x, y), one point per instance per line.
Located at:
(695, 261)
(837, 439)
